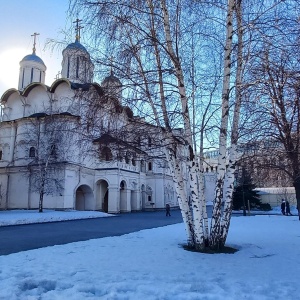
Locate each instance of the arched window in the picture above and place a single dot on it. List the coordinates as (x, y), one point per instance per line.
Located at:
(122, 185)
(53, 151)
(127, 157)
(106, 154)
(143, 166)
(150, 166)
(31, 152)
(133, 162)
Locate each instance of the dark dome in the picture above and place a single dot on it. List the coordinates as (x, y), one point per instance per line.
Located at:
(111, 79)
(33, 57)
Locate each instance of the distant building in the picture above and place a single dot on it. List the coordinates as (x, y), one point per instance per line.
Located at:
(273, 184)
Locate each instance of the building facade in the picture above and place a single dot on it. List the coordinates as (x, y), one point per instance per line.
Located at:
(67, 142)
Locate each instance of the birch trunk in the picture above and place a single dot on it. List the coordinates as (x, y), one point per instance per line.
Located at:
(191, 160)
(215, 234)
(182, 197)
(228, 186)
(201, 192)
(174, 164)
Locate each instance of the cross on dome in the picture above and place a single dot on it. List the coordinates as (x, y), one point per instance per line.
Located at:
(77, 29)
(34, 42)
(111, 65)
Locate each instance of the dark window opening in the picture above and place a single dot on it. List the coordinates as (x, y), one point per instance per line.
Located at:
(1, 153)
(150, 166)
(32, 152)
(23, 78)
(106, 154)
(53, 151)
(122, 185)
(149, 198)
(68, 68)
(77, 67)
(31, 77)
(149, 142)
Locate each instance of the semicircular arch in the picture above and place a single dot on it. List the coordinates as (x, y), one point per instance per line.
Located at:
(84, 198)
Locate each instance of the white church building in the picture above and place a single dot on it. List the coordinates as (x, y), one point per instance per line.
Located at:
(51, 144)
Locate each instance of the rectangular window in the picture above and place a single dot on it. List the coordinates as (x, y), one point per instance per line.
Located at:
(23, 78)
(77, 67)
(31, 77)
(68, 68)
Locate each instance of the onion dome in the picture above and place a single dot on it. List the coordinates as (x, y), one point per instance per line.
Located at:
(32, 58)
(112, 86)
(32, 69)
(76, 46)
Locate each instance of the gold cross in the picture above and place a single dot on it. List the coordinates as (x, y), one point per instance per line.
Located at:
(34, 42)
(77, 29)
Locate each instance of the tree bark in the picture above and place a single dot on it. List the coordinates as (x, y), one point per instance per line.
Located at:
(215, 234)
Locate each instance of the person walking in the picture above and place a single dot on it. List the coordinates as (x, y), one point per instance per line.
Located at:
(168, 208)
(283, 206)
(287, 208)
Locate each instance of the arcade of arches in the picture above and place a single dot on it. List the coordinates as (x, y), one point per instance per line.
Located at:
(103, 197)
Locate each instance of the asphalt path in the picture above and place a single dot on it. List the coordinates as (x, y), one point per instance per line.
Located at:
(19, 238)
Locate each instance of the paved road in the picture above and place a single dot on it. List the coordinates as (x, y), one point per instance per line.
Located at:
(18, 238)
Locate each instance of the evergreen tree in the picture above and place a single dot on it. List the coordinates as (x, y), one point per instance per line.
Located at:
(245, 193)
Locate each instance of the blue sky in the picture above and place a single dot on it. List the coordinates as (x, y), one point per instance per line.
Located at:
(19, 19)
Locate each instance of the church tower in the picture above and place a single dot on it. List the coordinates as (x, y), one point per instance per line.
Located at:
(32, 68)
(76, 64)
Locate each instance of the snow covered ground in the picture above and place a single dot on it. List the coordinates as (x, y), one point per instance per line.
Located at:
(151, 264)
(17, 217)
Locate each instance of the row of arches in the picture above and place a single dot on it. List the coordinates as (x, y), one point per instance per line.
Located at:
(122, 199)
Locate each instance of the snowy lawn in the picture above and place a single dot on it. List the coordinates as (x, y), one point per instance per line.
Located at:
(17, 217)
(150, 264)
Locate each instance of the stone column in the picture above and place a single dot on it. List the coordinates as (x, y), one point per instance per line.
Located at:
(113, 200)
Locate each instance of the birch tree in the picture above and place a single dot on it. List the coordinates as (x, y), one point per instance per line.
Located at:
(149, 40)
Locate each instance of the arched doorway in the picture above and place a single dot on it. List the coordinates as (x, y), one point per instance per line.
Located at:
(84, 198)
(123, 196)
(102, 196)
